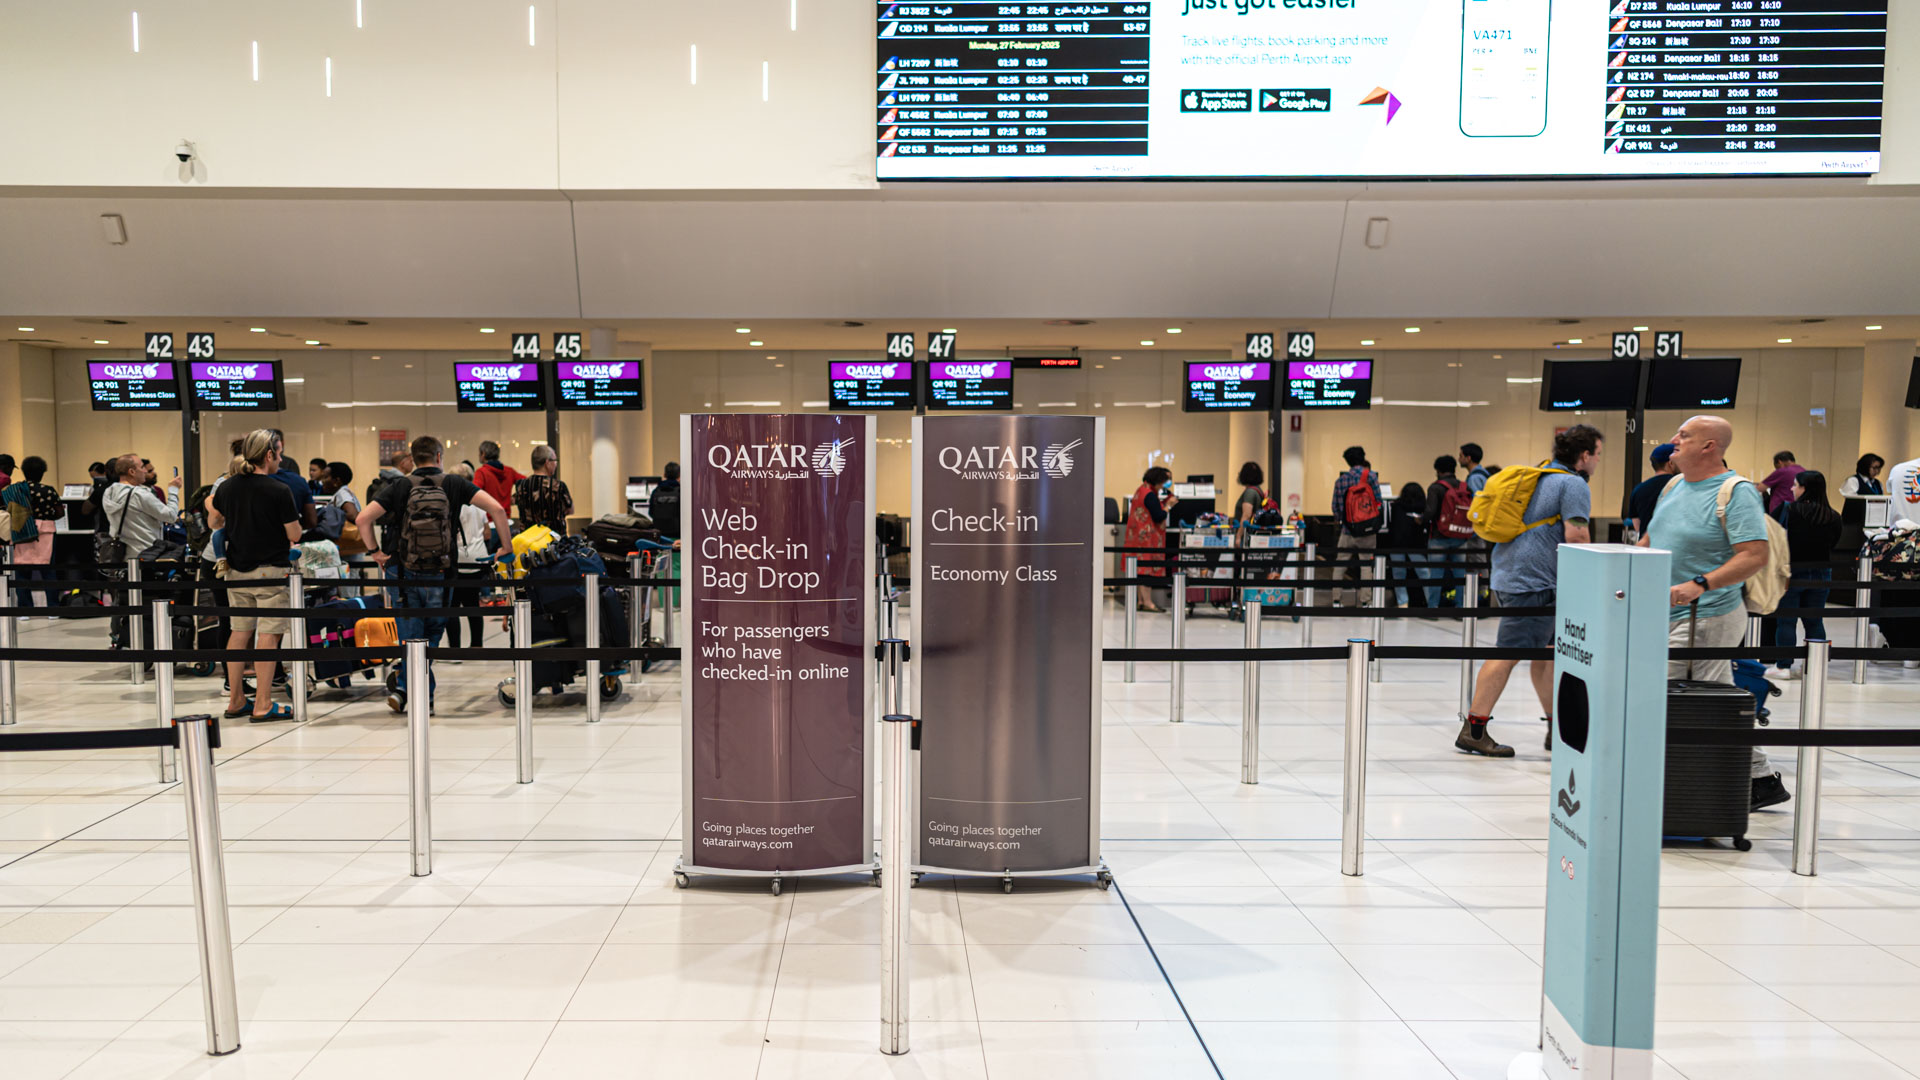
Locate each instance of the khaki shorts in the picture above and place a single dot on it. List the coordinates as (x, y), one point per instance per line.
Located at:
(270, 595)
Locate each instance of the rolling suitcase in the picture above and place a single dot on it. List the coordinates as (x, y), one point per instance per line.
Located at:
(1708, 788)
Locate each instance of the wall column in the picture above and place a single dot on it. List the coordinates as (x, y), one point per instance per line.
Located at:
(620, 444)
(1883, 413)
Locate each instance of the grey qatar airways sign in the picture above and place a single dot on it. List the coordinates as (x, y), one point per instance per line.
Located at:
(1006, 593)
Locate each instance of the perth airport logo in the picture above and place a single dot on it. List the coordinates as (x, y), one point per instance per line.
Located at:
(779, 461)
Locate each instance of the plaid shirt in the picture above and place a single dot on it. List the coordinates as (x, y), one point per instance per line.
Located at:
(1340, 487)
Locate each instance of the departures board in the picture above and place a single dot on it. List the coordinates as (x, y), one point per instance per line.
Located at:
(1198, 89)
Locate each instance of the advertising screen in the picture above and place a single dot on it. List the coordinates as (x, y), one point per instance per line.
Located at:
(1063, 89)
(238, 385)
(1217, 385)
(599, 384)
(1329, 384)
(133, 384)
(1567, 385)
(869, 385)
(499, 386)
(1705, 383)
(970, 384)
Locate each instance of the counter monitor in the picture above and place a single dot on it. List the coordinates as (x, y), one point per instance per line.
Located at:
(499, 386)
(238, 385)
(1586, 385)
(133, 384)
(1228, 385)
(869, 385)
(1704, 383)
(599, 384)
(972, 385)
(1313, 385)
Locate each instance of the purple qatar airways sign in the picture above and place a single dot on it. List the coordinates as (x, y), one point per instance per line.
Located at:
(777, 668)
(1006, 660)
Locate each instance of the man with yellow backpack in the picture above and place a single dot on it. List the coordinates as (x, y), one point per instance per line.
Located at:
(1527, 513)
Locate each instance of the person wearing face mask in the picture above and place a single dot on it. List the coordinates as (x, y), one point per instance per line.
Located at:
(1147, 527)
(1526, 573)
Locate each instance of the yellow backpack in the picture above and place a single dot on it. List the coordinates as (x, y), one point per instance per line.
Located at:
(1499, 511)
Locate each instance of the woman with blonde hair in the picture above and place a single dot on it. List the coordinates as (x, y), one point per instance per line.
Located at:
(262, 526)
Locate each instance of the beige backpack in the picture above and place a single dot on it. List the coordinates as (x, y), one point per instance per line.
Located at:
(1762, 591)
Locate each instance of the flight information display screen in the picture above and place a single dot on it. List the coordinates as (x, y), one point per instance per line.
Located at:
(1225, 385)
(869, 385)
(599, 384)
(970, 384)
(1329, 384)
(133, 384)
(1065, 89)
(238, 385)
(1570, 385)
(498, 386)
(1711, 382)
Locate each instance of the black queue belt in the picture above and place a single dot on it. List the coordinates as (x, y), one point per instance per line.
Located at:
(77, 612)
(108, 738)
(1835, 737)
(115, 585)
(1225, 656)
(1197, 581)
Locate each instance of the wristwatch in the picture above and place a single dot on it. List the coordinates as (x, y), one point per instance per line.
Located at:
(1701, 580)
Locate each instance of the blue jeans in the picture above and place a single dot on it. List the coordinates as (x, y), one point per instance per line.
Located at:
(1808, 598)
(1405, 567)
(1438, 567)
(430, 628)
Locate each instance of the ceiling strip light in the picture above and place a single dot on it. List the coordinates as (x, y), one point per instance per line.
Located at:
(256, 61)
(329, 76)
(136, 31)
(793, 14)
(359, 16)
(530, 9)
(693, 65)
(763, 80)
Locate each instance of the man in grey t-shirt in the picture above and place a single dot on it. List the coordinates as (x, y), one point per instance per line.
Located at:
(1525, 575)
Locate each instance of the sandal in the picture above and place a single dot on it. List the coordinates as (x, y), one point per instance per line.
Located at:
(243, 710)
(277, 712)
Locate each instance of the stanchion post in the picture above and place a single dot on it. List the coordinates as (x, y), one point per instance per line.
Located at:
(1250, 702)
(1353, 789)
(593, 642)
(1130, 597)
(1469, 630)
(1307, 575)
(419, 768)
(1813, 717)
(667, 635)
(163, 686)
(890, 614)
(1752, 640)
(9, 703)
(1379, 601)
(136, 633)
(636, 602)
(211, 927)
(523, 687)
(297, 630)
(1861, 632)
(1177, 671)
(896, 878)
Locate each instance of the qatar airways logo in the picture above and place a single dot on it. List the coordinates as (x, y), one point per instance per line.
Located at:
(1009, 462)
(226, 371)
(597, 371)
(780, 461)
(868, 371)
(128, 371)
(1338, 369)
(496, 372)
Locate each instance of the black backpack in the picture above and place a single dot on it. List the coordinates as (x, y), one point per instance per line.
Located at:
(664, 507)
(427, 542)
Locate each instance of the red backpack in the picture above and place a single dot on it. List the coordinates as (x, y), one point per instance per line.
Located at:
(1453, 522)
(1363, 512)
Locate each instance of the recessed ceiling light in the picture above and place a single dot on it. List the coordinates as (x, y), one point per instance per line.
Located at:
(1413, 329)
(1784, 340)
(756, 343)
(373, 358)
(949, 330)
(486, 329)
(779, 365)
(1641, 329)
(1173, 329)
(743, 330)
(771, 356)
(1102, 367)
(1146, 341)
(1576, 341)
(1496, 356)
(29, 329)
(1366, 341)
(257, 329)
(313, 341)
(99, 341)
(1870, 328)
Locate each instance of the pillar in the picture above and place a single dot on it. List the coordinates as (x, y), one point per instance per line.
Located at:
(619, 444)
(1883, 413)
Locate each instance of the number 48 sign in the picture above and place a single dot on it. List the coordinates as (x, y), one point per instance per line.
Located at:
(1260, 346)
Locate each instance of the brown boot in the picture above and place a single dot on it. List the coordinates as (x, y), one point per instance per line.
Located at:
(1474, 739)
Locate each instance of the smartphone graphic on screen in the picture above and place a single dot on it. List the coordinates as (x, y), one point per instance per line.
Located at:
(1503, 67)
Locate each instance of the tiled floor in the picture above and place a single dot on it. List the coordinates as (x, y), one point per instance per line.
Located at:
(550, 943)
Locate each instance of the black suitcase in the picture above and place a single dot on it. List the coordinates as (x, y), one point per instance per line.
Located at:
(1708, 788)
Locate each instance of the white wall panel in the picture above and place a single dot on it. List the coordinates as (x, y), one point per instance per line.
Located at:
(258, 257)
(880, 258)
